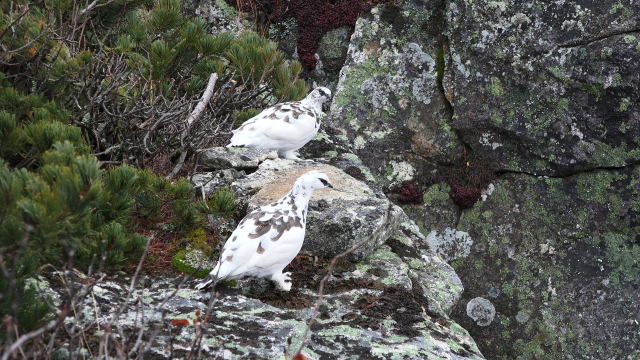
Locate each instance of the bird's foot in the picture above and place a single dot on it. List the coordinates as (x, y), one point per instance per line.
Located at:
(289, 155)
(283, 281)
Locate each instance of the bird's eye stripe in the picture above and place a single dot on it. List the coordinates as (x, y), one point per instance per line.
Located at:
(324, 182)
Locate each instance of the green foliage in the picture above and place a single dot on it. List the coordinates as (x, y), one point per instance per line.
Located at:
(223, 203)
(624, 255)
(59, 86)
(179, 47)
(181, 197)
(29, 126)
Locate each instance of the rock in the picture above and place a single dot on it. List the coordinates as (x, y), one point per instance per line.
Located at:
(450, 244)
(558, 259)
(548, 89)
(332, 51)
(434, 277)
(207, 183)
(239, 158)
(388, 103)
(330, 56)
(339, 218)
(481, 311)
(360, 317)
(218, 15)
(193, 262)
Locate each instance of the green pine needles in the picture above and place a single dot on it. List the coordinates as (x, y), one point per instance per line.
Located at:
(179, 48)
(85, 93)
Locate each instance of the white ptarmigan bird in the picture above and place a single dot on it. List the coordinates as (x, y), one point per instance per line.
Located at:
(269, 238)
(285, 127)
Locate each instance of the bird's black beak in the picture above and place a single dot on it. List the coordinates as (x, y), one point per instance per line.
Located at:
(329, 185)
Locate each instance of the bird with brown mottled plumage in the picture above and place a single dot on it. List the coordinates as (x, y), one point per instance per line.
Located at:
(270, 237)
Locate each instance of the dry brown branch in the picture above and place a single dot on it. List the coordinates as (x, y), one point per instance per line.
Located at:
(195, 115)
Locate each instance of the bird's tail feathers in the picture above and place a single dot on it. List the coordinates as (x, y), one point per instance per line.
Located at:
(206, 284)
(211, 280)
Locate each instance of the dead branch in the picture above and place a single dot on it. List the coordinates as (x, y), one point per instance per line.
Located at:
(195, 114)
(206, 96)
(34, 334)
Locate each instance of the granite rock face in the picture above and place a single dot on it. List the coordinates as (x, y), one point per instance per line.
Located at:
(548, 87)
(330, 56)
(537, 89)
(558, 258)
(218, 15)
(238, 158)
(339, 218)
(388, 102)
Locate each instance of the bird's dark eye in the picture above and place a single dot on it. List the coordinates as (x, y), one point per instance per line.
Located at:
(322, 92)
(324, 182)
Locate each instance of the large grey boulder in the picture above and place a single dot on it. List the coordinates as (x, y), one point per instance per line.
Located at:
(239, 158)
(349, 214)
(548, 87)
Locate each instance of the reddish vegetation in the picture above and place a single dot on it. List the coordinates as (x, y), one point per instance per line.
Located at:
(179, 322)
(314, 18)
(300, 356)
(464, 196)
(408, 193)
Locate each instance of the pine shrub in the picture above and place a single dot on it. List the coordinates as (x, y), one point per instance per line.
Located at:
(70, 99)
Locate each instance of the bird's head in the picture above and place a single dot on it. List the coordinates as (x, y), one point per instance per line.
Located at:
(320, 95)
(314, 180)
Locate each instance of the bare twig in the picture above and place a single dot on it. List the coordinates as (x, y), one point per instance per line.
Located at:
(34, 334)
(15, 21)
(195, 114)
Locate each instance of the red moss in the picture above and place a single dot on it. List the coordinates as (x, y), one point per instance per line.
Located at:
(179, 322)
(464, 196)
(408, 193)
(314, 18)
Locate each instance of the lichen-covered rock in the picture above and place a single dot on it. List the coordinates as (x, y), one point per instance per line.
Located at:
(218, 15)
(340, 218)
(330, 56)
(481, 311)
(388, 102)
(208, 182)
(431, 274)
(450, 244)
(379, 317)
(548, 87)
(558, 258)
(239, 158)
(332, 52)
